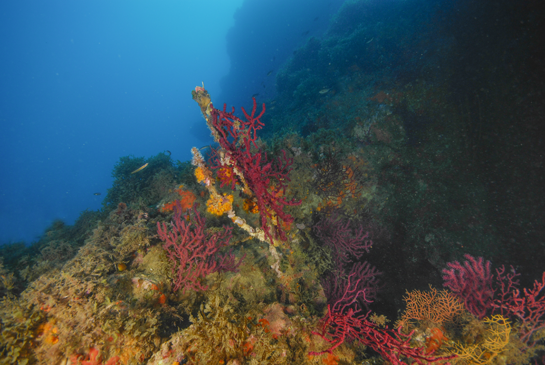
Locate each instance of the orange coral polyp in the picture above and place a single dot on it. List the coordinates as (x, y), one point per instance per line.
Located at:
(219, 205)
(199, 174)
(250, 206)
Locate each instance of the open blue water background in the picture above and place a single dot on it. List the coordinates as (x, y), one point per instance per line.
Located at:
(85, 83)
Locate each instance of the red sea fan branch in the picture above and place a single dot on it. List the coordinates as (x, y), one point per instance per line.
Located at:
(472, 282)
(194, 251)
(263, 181)
(344, 322)
(528, 306)
(347, 243)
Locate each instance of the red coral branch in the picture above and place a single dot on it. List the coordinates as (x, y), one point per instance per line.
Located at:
(471, 282)
(241, 160)
(348, 244)
(335, 285)
(529, 309)
(194, 252)
(344, 322)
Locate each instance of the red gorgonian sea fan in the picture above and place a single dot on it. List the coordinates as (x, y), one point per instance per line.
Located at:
(471, 282)
(240, 160)
(194, 251)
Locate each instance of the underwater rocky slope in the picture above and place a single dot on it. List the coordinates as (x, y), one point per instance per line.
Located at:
(349, 220)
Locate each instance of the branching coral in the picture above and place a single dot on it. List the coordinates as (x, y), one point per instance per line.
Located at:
(240, 160)
(194, 251)
(258, 233)
(347, 243)
(344, 322)
(431, 306)
(491, 343)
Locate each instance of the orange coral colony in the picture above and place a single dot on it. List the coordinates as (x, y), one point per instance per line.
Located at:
(250, 206)
(199, 174)
(219, 205)
(187, 200)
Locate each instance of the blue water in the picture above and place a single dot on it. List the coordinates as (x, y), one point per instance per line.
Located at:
(85, 83)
